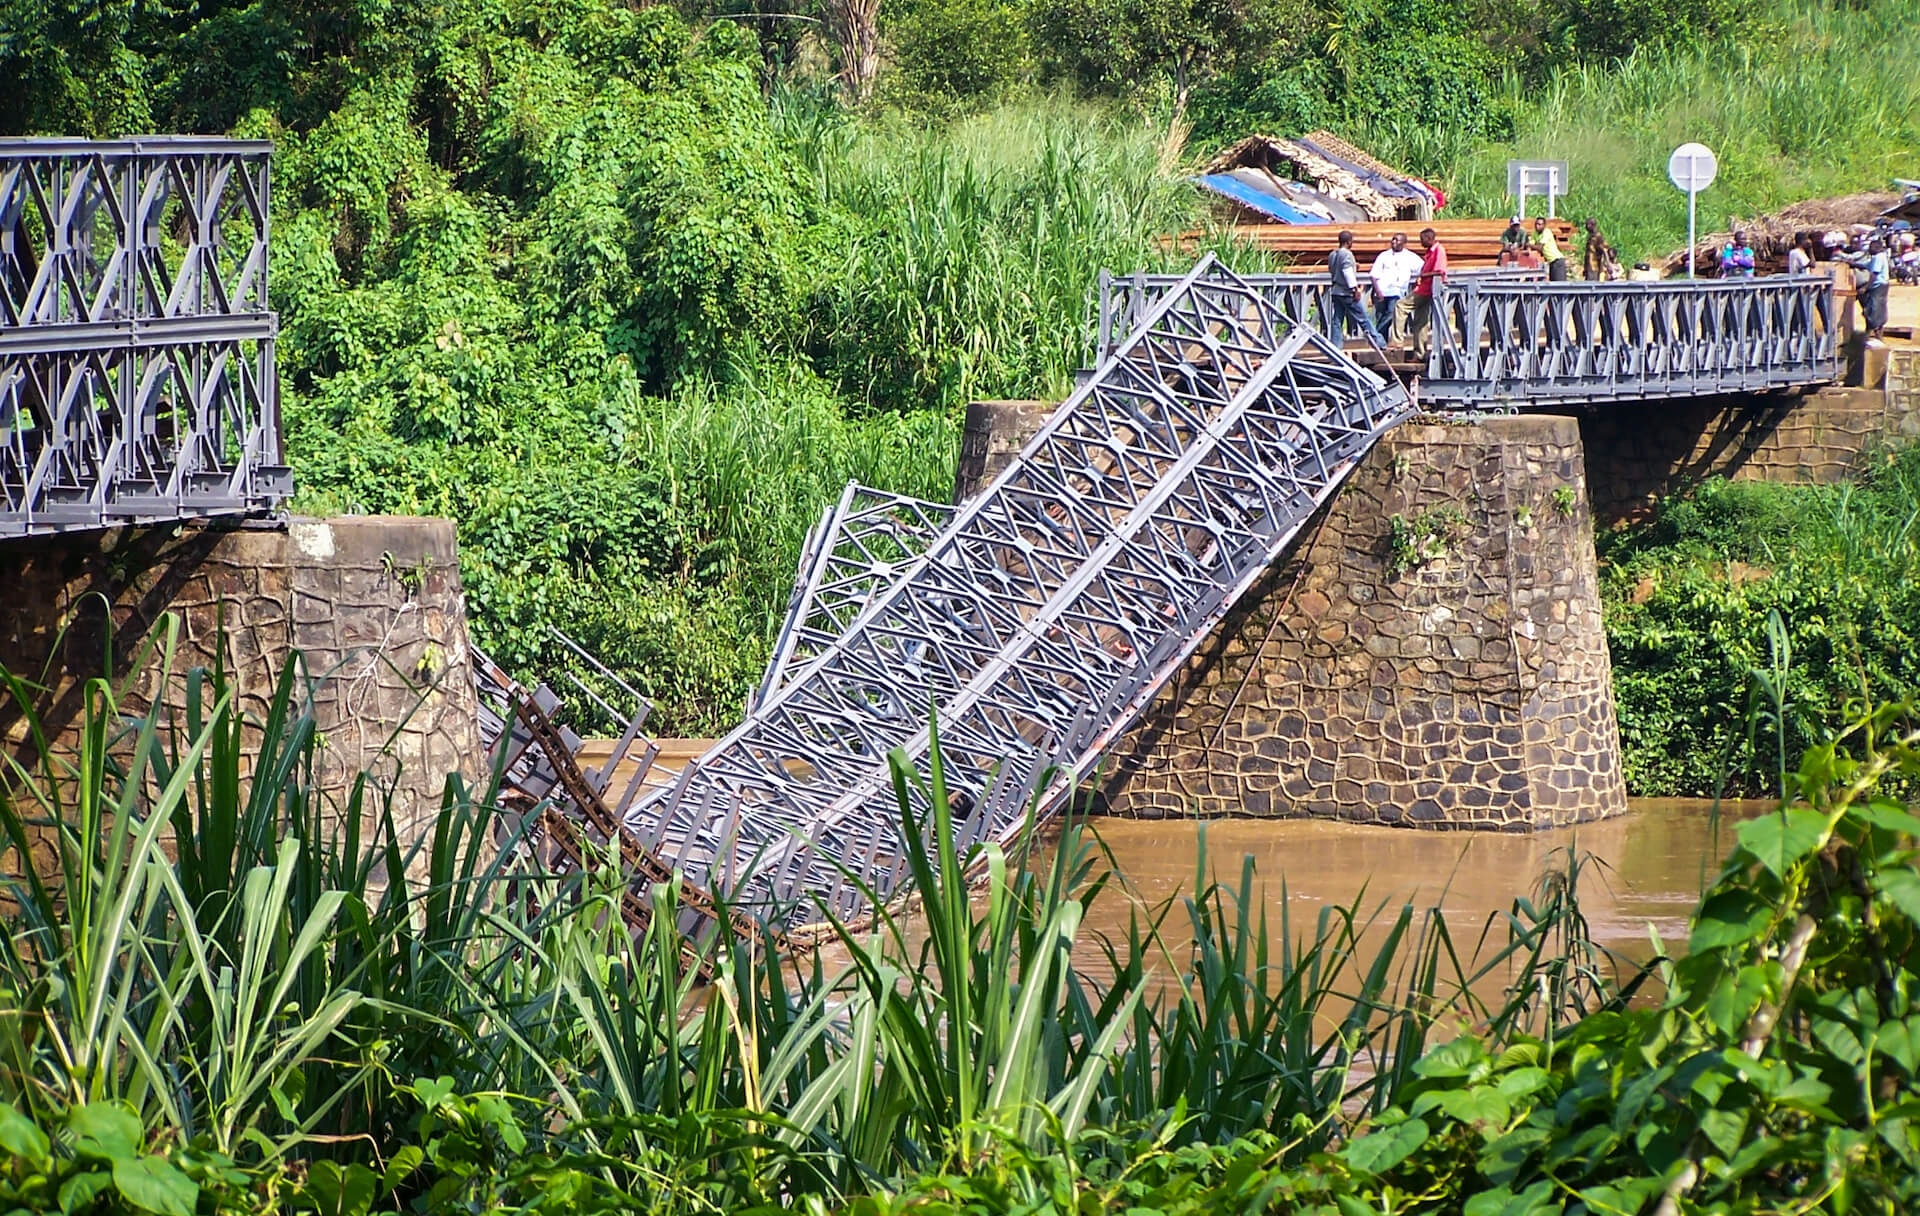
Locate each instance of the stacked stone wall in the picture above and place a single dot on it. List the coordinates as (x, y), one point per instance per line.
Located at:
(1639, 454)
(1471, 689)
(373, 603)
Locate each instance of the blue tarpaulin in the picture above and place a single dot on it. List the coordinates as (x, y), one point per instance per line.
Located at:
(1266, 204)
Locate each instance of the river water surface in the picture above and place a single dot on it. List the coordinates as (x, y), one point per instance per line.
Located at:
(1644, 871)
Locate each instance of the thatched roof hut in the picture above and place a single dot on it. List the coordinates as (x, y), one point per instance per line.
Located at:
(1319, 178)
(1772, 235)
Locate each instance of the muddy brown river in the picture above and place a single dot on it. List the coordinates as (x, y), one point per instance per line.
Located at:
(1645, 869)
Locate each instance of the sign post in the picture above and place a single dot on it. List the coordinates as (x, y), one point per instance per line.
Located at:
(1692, 168)
(1541, 177)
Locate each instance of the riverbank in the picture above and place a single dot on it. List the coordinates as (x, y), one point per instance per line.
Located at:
(1744, 619)
(228, 1015)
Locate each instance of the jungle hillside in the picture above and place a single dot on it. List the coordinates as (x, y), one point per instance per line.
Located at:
(630, 291)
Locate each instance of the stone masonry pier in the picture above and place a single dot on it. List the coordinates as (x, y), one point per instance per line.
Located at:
(1430, 655)
(374, 603)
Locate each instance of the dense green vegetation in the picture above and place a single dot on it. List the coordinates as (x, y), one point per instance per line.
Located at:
(1798, 602)
(206, 1008)
(629, 292)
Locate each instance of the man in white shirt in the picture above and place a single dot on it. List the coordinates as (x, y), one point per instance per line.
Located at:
(1392, 275)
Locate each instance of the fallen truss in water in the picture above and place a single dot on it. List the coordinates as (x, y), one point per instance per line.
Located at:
(1035, 623)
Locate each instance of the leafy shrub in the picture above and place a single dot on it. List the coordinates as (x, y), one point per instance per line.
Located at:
(1688, 599)
(964, 51)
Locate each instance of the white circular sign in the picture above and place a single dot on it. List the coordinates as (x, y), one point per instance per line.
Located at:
(1692, 166)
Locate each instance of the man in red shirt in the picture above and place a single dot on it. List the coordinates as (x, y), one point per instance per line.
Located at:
(1433, 271)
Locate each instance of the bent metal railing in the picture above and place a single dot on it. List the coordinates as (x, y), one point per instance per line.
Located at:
(1574, 343)
(1038, 621)
(137, 379)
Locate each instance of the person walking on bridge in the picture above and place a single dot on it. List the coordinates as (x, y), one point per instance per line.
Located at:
(1392, 275)
(1344, 300)
(1872, 274)
(1433, 274)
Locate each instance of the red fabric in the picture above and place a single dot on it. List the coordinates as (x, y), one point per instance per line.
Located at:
(1435, 267)
(1439, 198)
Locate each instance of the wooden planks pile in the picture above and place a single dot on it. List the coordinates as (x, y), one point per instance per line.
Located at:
(1469, 243)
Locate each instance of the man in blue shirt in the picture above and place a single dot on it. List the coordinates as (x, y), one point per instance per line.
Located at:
(1872, 273)
(1343, 303)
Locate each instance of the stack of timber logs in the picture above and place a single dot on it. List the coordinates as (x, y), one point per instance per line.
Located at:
(1469, 243)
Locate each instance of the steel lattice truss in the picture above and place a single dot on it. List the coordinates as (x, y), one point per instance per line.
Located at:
(1039, 622)
(856, 551)
(137, 378)
(1512, 339)
(1556, 343)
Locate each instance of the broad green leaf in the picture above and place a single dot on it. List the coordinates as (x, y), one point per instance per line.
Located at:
(1900, 1042)
(1455, 1059)
(1521, 1082)
(336, 1190)
(1483, 1106)
(21, 1138)
(1783, 838)
(1882, 813)
(104, 1130)
(1620, 1199)
(1724, 1129)
(78, 1192)
(404, 1162)
(1728, 919)
(1386, 1148)
(1837, 1037)
(1901, 888)
(1733, 1000)
(151, 1184)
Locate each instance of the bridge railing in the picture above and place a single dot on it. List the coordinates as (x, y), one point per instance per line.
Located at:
(1124, 300)
(1498, 342)
(137, 379)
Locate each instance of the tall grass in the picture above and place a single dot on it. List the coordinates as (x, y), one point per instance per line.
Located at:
(977, 242)
(235, 965)
(1809, 100)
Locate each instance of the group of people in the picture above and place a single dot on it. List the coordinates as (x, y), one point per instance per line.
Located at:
(1878, 257)
(1403, 284)
(1598, 261)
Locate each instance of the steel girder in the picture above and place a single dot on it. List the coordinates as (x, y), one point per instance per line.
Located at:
(1124, 299)
(1506, 338)
(1040, 620)
(137, 378)
(1567, 343)
(855, 552)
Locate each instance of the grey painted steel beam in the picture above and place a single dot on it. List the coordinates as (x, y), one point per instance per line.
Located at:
(1507, 339)
(137, 376)
(1506, 344)
(1039, 619)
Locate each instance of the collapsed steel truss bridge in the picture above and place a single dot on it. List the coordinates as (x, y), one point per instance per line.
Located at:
(137, 380)
(1033, 624)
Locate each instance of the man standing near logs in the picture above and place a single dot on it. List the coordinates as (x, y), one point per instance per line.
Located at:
(1433, 273)
(1392, 274)
(1344, 299)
